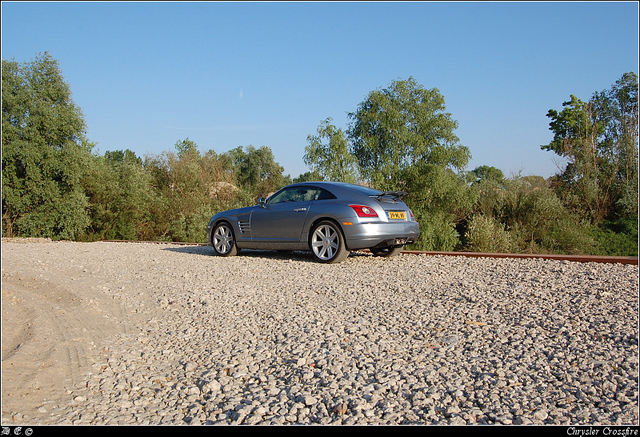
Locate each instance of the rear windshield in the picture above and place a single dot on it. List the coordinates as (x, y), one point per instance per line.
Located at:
(366, 190)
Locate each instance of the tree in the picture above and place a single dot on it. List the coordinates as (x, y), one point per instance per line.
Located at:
(309, 176)
(576, 130)
(619, 108)
(331, 160)
(120, 196)
(486, 172)
(399, 126)
(44, 152)
(182, 182)
(256, 169)
(187, 149)
(403, 139)
(441, 200)
(599, 139)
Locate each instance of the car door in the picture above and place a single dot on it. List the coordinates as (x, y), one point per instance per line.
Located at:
(282, 218)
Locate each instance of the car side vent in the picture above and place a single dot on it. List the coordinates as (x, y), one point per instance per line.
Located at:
(245, 226)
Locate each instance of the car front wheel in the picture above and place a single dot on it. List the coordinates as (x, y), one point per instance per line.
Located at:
(223, 241)
(327, 243)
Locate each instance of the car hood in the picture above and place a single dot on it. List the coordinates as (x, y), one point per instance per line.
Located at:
(237, 211)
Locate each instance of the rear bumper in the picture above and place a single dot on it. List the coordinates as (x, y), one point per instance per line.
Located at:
(367, 235)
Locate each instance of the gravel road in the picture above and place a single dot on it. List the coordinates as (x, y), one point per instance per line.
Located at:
(124, 333)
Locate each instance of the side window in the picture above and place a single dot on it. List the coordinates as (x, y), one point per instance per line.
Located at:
(295, 194)
(324, 195)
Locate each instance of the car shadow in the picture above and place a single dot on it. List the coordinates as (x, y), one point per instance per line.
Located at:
(292, 255)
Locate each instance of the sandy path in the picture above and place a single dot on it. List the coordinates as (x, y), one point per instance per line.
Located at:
(54, 326)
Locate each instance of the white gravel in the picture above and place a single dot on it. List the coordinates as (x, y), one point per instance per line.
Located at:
(275, 338)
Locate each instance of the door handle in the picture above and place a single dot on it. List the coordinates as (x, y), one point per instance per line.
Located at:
(299, 209)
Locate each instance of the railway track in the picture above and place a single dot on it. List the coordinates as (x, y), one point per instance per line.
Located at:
(633, 260)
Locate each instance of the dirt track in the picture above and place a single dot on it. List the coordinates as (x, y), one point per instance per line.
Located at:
(54, 325)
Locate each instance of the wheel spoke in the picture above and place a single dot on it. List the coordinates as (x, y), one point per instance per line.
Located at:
(325, 242)
(223, 239)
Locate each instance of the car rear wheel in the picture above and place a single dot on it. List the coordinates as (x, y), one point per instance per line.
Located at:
(223, 241)
(327, 243)
(387, 251)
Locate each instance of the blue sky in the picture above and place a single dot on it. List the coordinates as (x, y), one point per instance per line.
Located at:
(147, 74)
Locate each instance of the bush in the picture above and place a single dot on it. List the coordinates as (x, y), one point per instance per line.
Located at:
(617, 238)
(437, 232)
(524, 215)
(569, 236)
(485, 234)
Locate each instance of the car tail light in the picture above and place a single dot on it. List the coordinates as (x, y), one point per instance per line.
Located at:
(364, 211)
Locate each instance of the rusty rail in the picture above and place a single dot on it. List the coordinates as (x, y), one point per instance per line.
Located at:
(633, 260)
(576, 258)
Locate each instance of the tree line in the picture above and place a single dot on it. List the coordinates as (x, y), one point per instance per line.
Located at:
(399, 138)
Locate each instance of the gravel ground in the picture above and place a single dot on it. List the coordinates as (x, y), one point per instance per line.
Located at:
(122, 333)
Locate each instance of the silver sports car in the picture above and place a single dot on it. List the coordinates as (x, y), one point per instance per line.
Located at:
(329, 218)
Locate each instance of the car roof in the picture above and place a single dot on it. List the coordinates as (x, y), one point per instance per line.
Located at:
(339, 189)
(338, 185)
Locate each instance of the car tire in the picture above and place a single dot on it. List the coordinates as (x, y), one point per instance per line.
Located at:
(327, 243)
(387, 251)
(223, 240)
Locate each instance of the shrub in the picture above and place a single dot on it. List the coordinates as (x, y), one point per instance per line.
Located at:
(485, 234)
(617, 238)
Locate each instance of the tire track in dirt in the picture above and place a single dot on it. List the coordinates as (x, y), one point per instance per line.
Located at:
(61, 332)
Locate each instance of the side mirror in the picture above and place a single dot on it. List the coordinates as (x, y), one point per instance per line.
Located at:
(262, 202)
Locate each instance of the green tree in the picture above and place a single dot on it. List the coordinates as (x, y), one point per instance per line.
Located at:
(576, 131)
(403, 139)
(486, 172)
(619, 109)
(182, 193)
(44, 152)
(327, 154)
(256, 170)
(189, 187)
(309, 176)
(441, 201)
(399, 126)
(120, 197)
(599, 140)
(187, 149)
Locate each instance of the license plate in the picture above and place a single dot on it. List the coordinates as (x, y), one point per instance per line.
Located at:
(397, 215)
